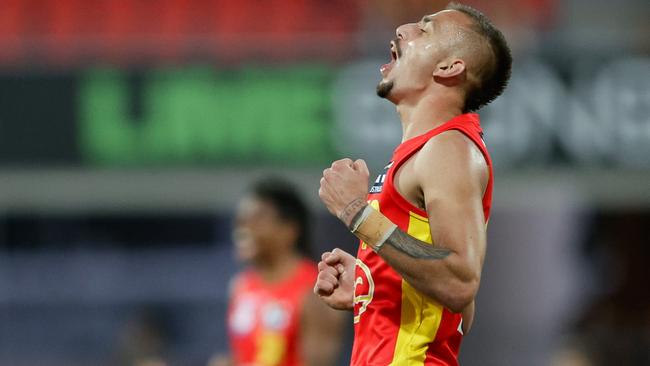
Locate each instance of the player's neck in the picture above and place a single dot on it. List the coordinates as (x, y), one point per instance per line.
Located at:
(425, 113)
(277, 268)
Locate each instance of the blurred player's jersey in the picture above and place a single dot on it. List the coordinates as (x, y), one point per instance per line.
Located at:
(264, 319)
(395, 324)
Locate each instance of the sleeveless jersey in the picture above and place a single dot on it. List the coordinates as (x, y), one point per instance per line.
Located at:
(264, 319)
(395, 324)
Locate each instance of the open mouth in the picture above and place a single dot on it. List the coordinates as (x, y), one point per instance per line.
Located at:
(393, 51)
(394, 55)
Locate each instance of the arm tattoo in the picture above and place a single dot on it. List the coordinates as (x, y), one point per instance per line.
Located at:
(415, 248)
(373, 228)
(353, 208)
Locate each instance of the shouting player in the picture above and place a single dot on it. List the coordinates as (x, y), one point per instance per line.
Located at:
(423, 224)
(274, 319)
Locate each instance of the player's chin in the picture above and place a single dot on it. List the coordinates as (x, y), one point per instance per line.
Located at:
(384, 88)
(245, 252)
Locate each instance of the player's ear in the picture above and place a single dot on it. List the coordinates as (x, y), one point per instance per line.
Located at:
(449, 69)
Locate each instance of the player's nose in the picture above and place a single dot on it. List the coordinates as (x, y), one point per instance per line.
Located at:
(400, 31)
(404, 30)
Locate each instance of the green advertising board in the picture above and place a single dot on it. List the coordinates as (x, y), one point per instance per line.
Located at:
(199, 114)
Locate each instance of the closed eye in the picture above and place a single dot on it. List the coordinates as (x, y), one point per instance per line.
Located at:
(424, 22)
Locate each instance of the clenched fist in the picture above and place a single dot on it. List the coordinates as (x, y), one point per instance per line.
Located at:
(335, 281)
(344, 187)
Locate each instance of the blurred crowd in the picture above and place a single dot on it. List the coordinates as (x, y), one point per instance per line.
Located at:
(73, 32)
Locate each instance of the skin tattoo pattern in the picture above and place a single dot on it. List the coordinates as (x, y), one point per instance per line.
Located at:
(357, 206)
(398, 239)
(415, 248)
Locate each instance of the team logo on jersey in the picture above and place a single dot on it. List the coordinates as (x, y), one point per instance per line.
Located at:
(379, 182)
(275, 316)
(242, 318)
(363, 290)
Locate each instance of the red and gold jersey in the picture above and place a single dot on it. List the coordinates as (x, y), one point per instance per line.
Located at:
(264, 319)
(395, 324)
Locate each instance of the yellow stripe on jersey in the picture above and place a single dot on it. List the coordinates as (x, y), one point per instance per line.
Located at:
(421, 316)
(271, 348)
(419, 228)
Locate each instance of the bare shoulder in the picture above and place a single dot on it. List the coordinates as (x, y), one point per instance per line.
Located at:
(452, 145)
(454, 156)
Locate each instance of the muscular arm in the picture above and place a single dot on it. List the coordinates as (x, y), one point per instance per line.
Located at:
(377, 230)
(451, 174)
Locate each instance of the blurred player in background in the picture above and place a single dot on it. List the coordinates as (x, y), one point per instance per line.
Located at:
(274, 319)
(423, 224)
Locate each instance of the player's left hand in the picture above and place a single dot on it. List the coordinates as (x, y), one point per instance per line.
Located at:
(343, 183)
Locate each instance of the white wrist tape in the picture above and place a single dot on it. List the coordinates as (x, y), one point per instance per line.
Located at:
(384, 237)
(364, 215)
(362, 218)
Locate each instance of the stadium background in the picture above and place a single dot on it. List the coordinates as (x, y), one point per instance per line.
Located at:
(129, 128)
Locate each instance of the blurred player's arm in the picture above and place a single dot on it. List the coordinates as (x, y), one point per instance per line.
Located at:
(222, 358)
(451, 174)
(321, 332)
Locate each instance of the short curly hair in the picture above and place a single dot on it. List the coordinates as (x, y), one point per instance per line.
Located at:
(286, 200)
(493, 81)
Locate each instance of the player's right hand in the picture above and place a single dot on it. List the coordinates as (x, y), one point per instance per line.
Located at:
(335, 282)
